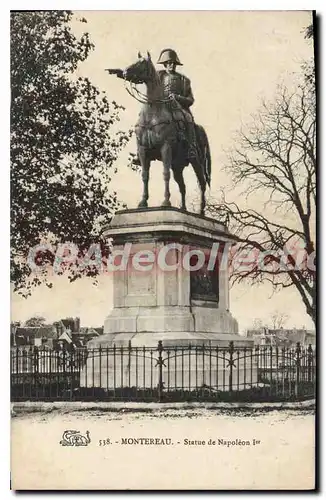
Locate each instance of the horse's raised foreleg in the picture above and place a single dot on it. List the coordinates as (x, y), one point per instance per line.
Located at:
(145, 177)
(178, 176)
(166, 153)
(202, 184)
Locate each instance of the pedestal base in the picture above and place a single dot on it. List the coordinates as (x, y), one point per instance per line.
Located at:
(167, 322)
(169, 339)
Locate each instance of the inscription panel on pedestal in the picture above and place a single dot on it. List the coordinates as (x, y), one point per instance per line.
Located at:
(204, 284)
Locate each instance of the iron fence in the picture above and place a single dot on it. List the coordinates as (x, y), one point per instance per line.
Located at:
(163, 373)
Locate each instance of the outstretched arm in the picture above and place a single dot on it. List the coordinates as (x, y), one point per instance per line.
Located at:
(117, 72)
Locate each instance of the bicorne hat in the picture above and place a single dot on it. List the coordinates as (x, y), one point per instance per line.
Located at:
(168, 55)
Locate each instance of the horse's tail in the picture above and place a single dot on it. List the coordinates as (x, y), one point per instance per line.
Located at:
(208, 162)
(205, 153)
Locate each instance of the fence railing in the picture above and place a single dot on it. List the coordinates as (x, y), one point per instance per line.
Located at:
(163, 373)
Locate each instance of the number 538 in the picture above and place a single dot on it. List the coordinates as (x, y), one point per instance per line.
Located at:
(104, 442)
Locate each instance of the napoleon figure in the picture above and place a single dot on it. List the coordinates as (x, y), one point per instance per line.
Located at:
(177, 88)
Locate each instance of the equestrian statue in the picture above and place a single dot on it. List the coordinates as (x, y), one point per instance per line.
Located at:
(166, 130)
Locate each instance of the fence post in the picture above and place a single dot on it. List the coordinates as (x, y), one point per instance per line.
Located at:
(257, 354)
(100, 366)
(310, 363)
(160, 370)
(129, 364)
(297, 363)
(36, 370)
(231, 351)
(17, 360)
(71, 353)
(35, 359)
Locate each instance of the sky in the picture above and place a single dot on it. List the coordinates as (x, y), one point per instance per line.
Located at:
(234, 59)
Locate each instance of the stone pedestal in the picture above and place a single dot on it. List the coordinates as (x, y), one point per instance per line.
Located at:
(170, 284)
(170, 280)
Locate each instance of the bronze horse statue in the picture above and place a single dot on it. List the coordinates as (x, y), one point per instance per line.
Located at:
(158, 135)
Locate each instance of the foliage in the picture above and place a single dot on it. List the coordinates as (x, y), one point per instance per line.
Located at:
(35, 321)
(63, 143)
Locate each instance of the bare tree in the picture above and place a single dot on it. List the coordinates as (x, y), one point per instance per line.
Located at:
(278, 320)
(309, 32)
(275, 160)
(257, 324)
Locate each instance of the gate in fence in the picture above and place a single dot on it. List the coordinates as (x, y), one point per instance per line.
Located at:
(163, 373)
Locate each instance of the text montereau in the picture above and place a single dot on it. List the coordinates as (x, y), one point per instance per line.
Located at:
(143, 440)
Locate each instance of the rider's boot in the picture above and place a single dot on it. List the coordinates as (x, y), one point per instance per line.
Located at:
(192, 147)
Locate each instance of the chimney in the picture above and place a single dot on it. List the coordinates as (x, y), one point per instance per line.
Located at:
(77, 325)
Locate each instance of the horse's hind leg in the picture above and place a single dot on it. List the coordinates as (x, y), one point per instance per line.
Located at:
(145, 177)
(178, 177)
(202, 183)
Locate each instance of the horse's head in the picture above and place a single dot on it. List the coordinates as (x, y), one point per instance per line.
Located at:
(141, 71)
